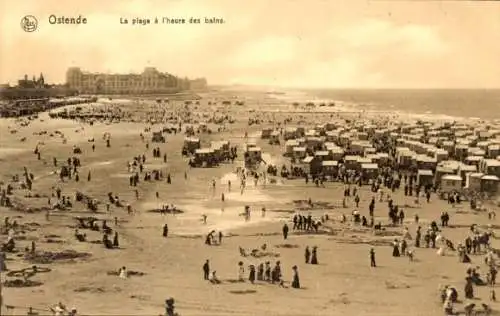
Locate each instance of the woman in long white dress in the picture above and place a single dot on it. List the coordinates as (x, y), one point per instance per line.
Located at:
(241, 272)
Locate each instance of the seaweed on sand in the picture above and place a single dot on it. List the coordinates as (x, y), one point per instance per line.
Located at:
(44, 257)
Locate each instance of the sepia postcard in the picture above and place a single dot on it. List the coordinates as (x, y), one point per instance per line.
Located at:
(249, 158)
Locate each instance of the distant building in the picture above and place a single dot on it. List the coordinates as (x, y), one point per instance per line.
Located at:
(34, 88)
(150, 81)
(198, 84)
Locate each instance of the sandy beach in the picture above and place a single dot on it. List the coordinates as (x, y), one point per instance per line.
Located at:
(343, 283)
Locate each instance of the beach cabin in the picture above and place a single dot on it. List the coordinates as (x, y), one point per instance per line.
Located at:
(301, 131)
(266, 133)
(253, 157)
(274, 138)
(330, 168)
(374, 158)
(204, 157)
(369, 151)
(203, 127)
(363, 136)
(383, 159)
(425, 162)
(332, 136)
(493, 151)
(463, 170)
(158, 137)
(250, 144)
(312, 133)
(473, 160)
(425, 178)
(299, 153)
(490, 184)
(440, 155)
(351, 162)
(490, 167)
(345, 140)
(444, 170)
(312, 165)
(473, 182)
(289, 145)
(323, 155)
(191, 144)
(320, 129)
(314, 142)
(369, 171)
(291, 133)
(450, 183)
(449, 146)
(337, 153)
(405, 158)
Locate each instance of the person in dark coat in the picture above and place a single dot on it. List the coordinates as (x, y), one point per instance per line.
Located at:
(418, 236)
(395, 248)
(314, 256)
(372, 258)
(285, 231)
(307, 254)
(260, 272)
(116, 244)
(469, 288)
(251, 276)
(296, 281)
(206, 270)
(165, 230)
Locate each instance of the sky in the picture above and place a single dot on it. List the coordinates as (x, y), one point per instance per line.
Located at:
(288, 43)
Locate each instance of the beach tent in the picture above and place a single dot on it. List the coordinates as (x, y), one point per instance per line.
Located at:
(490, 166)
(489, 183)
(473, 182)
(425, 177)
(323, 155)
(369, 171)
(330, 168)
(473, 160)
(451, 183)
(289, 145)
(299, 152)
(266, 133)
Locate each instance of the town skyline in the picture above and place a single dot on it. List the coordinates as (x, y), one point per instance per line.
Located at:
(348, 44)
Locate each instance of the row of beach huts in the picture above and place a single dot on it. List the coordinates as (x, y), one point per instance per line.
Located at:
(451, 157)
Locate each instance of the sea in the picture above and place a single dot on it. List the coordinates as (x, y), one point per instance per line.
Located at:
(464, 103)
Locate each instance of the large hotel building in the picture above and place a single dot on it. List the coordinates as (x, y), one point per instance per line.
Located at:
(148, 82)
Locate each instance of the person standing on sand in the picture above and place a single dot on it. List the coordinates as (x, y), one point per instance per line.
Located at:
(307, 254)
(165, 230)
(314, 255)
(263, 212)
(296, 281)
(89, 176)
(372, 258)
(268, 271)
(229, 185)
(206, 270)
(285, 231)
(116, 244)
(241, 272)
(251, 276)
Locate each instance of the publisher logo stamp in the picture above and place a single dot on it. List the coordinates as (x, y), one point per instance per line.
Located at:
(29, 23)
